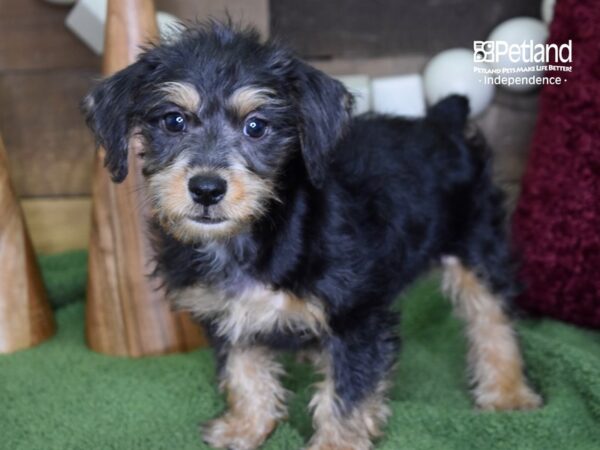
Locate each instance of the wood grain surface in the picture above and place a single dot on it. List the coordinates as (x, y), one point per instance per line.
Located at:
(33, 37)
(25, 315)
(50, 148)
(58, 224)
(359, 28)
(255, 12)
(126, 313)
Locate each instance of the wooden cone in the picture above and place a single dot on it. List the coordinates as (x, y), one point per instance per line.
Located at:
(25, 314)
(127, 314)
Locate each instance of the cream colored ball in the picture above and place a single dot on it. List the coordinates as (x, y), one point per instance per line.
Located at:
(516, 32)
(452, 72)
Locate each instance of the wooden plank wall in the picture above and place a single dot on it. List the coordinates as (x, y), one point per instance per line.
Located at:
(373, 28)
(44, 72)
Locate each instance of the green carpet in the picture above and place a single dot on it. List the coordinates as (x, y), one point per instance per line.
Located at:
(62, 396)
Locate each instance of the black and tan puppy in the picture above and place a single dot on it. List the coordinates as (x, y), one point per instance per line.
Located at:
(282, 223)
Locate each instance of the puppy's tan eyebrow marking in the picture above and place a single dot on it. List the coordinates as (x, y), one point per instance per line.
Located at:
(182, 94)
(246, 99)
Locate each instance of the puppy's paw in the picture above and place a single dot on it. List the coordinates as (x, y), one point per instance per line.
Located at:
(519, 398)
(233, 432)
(321, 442)
(329, 446)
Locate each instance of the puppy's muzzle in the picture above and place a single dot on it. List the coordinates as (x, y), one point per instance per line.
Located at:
(207, 190)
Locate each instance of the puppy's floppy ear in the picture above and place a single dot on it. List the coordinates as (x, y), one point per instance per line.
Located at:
(108, 110)
(325, 109)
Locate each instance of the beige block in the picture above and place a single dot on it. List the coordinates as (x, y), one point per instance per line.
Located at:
(58, 224)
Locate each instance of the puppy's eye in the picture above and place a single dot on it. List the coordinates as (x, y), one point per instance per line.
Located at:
(174, 122)
(255, 127)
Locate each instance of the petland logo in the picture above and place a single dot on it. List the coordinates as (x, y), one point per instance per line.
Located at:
(521, 66)
(526, 52)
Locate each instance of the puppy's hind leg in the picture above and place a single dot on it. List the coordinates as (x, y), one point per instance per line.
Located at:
(495, 361)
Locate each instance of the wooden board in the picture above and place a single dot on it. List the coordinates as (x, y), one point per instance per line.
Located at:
(33, 36)
(358, 28)
(58, 224)
(247, 11)
(382, 66)
(49, 147)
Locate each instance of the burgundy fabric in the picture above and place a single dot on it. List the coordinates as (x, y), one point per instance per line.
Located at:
(556, 226)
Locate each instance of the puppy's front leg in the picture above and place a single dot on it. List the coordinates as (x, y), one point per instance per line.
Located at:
(350, 405)
(255, 399)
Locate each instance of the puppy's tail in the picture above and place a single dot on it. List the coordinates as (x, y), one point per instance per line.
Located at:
(450, 112)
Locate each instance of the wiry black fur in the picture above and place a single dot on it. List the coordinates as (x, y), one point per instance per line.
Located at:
(367, 203)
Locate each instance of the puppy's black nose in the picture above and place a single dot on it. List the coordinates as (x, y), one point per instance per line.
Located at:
(207, 189)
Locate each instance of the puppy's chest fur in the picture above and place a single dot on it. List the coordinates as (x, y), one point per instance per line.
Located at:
(241, 308)
(254, 311)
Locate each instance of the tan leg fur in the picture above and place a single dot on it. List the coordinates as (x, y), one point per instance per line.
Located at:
(353, 430)
(495, 361)
(255, 399)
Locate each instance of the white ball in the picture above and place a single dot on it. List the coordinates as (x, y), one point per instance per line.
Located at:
(548, 10)
(452, 72)
(517, 31)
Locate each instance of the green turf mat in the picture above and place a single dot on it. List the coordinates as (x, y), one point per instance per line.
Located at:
(65, 277)
(62, 396)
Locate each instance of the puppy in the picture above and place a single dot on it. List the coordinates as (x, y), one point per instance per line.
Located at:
(282, 223)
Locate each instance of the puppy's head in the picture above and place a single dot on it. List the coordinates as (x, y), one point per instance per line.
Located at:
(215, 116)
